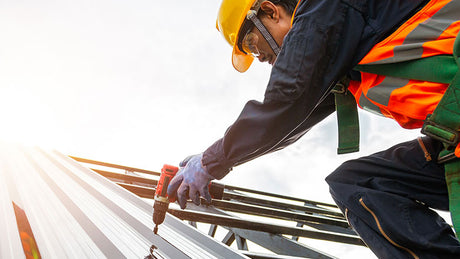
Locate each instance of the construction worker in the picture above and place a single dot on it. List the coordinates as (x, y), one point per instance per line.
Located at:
(387, 197)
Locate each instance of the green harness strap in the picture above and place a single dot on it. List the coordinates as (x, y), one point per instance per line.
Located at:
(440, 69)
(347, 118)
(452, 169)
(444, 123)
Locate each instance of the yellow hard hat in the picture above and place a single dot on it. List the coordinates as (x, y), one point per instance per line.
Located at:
(230, 19)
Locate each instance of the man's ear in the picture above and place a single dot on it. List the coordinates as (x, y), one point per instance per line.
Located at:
(271, 10)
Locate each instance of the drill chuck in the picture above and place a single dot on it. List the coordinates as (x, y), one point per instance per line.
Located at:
(160, 207)
(161, 203)
(159, 212)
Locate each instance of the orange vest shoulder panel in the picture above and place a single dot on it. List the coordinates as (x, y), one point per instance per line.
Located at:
(431, 31)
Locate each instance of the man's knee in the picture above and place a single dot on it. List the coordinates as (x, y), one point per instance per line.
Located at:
(342, 182)
(343, 175)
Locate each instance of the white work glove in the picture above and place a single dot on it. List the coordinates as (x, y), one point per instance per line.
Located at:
(191, 181)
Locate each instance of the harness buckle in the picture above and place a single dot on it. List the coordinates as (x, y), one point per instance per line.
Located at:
(341, 87)
(446, 158)
(445, 135)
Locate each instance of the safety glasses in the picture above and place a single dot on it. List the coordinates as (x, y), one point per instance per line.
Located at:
(249, 44)
(250, 39)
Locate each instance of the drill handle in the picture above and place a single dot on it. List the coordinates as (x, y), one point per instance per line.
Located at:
(167, 173)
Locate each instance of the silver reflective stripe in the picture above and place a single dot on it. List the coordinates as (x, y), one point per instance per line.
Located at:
(381, 93)
(368, 105)
(429, 30)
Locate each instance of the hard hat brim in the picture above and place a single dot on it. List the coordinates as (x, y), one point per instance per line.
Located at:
(240, 60)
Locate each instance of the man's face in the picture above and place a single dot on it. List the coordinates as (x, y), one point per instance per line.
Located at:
(278, 23)
(264, 51)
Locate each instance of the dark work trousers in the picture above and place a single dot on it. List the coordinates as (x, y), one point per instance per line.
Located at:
(387, 198)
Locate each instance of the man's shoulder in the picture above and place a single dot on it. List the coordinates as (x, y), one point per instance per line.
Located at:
(382, 16)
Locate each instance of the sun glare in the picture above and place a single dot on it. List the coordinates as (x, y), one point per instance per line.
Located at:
(25, 118)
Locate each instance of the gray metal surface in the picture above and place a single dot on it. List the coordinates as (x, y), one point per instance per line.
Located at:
(263, 219)
(75, 213)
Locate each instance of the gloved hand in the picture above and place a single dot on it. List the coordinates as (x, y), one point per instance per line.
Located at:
(192, 181)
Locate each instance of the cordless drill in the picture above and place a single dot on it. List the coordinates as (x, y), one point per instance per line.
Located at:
(161, 196)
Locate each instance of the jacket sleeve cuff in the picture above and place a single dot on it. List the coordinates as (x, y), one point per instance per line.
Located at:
(214, 161)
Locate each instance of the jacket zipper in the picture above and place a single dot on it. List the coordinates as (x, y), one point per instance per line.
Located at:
(383, 232)
(422, 145)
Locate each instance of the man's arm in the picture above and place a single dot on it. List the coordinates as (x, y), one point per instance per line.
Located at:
(241, 145)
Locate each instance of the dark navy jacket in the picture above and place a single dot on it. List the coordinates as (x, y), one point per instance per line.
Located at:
(327, 39)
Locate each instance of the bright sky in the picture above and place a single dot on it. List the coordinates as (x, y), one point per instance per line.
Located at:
(143, 83)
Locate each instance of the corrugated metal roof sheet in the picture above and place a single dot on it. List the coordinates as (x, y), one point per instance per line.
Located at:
(53, 207)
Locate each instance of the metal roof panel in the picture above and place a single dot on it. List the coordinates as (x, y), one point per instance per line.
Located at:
(75, 213)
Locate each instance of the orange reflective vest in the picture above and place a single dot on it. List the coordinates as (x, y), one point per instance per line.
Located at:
(431, 31)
